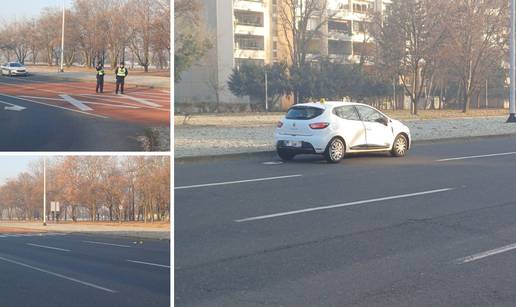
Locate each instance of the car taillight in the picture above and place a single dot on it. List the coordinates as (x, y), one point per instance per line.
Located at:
(279, 125)
(319, 125)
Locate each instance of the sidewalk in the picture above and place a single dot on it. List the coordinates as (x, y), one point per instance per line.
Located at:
(193, 141)
(146, 231)
(137, 79)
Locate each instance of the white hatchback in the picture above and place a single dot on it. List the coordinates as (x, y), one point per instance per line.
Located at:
(335, 128)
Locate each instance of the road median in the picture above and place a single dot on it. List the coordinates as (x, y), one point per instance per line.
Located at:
(197, 141)
(160, 231)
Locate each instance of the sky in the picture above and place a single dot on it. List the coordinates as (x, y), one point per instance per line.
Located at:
(10, 167)
(28, 8)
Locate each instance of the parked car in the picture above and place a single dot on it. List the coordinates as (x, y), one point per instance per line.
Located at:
(13, 69)
(336, 128)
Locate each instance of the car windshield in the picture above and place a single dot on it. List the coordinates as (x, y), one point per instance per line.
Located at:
(15, 65)
(303, 112)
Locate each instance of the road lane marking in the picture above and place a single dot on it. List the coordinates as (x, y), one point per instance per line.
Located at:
(234, 182)
(107, 99)
(354, 203)
(143, 101)
(149, 263)
(479, 156)
(103, 243)
(53, 106)
(49, 247)
(485, 254)
(58, 275)
(76, 103)
(12, 107)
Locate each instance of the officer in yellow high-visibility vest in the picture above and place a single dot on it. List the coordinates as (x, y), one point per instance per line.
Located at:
(120, 72)
(100, 78)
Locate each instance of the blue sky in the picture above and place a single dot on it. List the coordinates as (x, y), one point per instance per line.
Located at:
(28, 8)
(10, 167)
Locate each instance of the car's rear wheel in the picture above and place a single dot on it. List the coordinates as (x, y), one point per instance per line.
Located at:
(400, 146)
(285, 155)
(335, 150)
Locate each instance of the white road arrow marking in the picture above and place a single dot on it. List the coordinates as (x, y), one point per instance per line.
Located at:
(143, 101)
(12, 107)
(76, 103)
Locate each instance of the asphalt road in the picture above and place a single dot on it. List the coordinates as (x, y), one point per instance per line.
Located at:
(373, 230)
(34, 117)
(78, 270)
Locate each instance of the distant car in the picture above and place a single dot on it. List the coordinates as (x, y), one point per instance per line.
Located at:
(13, 69)
(336, 128)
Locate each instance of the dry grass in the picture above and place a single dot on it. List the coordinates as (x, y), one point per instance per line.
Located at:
(267, 119)
(161, 225)
(137, 72)
(17, 230)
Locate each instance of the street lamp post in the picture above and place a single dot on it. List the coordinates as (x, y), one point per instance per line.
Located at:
(62, 38)
(44, 191)
(512, 108)
(266, 92)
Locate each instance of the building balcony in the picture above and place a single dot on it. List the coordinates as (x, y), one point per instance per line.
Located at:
(249, 30)
(249, 5)
(339, 36)
(249, 54)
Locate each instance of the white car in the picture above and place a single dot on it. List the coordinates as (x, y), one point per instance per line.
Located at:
(13, 69)
(336, 128)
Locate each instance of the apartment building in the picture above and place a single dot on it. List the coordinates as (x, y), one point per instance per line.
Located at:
(252, 31)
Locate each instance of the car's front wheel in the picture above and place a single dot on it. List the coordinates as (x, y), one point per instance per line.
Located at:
(285, 155)
(400, 146)
(335, 150)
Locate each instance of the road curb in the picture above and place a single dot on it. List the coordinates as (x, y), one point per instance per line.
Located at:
(272, 153)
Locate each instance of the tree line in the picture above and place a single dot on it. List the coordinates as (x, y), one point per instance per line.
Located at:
(96, 31)
(91, 188)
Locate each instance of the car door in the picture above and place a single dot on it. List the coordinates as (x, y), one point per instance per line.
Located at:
(378, 131)
(350, 127)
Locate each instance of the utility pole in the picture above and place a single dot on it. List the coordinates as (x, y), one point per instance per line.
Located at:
(62, 38)
(487, 98)
(266, 93)
(512, 107)
(44, 191)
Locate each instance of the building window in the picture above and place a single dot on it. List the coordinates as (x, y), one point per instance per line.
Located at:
(361, 27)
(360, 8)
(249, 42)
(366, 49)
(249, 18)
(339, 47)
(340, 27)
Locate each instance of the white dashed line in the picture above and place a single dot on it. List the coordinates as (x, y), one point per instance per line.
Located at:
(235, 182)
(269, 216)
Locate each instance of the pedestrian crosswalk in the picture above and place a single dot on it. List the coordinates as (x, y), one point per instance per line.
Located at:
(32, 234)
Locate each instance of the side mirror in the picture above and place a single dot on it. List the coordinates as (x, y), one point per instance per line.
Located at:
(383, 120)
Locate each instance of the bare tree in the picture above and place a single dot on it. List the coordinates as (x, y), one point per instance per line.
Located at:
(407, 40)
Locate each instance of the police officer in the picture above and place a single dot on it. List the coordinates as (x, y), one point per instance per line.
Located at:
(100, 78)
(121, 73)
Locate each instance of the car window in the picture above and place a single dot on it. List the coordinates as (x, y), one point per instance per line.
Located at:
(369, 114)
(303, 112)
(346, 112)
(15, 65)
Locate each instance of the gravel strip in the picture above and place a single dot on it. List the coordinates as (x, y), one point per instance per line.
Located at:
(194, 141)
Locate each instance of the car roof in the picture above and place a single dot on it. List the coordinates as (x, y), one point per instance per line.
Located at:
(323, 105)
